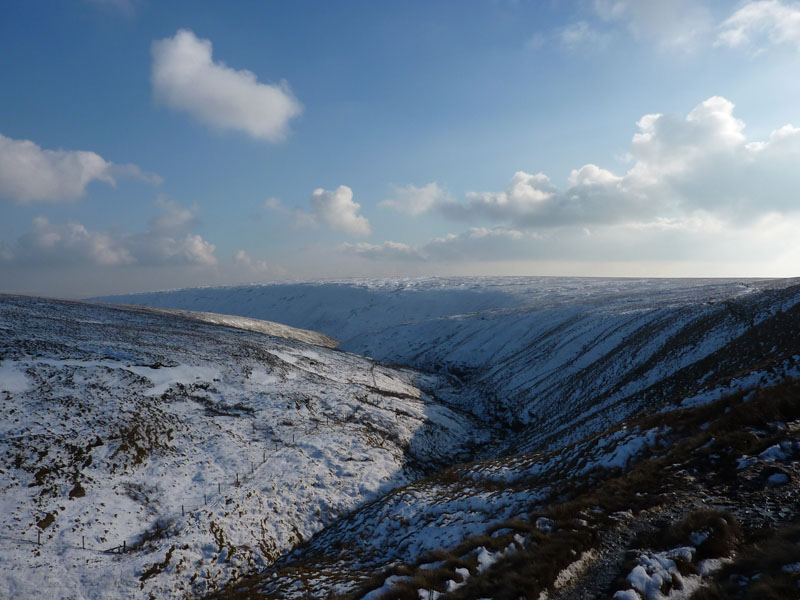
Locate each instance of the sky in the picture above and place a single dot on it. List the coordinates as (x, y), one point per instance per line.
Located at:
(155, 145)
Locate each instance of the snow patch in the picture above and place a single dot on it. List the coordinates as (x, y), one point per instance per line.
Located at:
(13, 378)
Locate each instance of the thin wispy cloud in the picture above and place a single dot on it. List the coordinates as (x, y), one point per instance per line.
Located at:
(675, 24)
(387, 251)
(477, 243)
(768, 22)
(414, 200)
(583, 36)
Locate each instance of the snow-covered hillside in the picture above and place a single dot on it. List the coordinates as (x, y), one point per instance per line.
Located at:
(553, 355)
(204, 450)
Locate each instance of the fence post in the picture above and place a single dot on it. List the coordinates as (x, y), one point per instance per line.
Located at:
(204, 499)
(182, 513)
(39, 537)
(83, 542)
(219, 487)
(237, 480)
(123, 546)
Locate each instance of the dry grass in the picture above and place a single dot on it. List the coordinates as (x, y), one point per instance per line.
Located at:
(721, 528)
(757, 573)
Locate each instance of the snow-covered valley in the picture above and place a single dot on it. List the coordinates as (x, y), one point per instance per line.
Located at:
(554, 357)
(468, 438)
(206, 451)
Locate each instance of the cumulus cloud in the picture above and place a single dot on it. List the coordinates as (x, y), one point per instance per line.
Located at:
(160, 248)
(702, 163)
(67, 243)
(593, 195)
(705, 162)
(168, 239)
(166, 242)
(700, 245)
(185, 77)
(243, 260)
(764, 21)
(194, 250)
(29, 173)
(525, 194)
(673, 24)
(699, 198)
(414, 200)
(335, 209)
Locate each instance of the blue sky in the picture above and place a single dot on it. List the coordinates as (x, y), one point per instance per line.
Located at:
(150, 145)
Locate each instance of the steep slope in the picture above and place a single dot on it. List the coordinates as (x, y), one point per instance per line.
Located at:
(204, 451)
(698, 500)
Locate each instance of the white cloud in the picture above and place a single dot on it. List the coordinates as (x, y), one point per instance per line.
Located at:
(68, 243)
(185, 77)
(173, 217)
(705, 162)
(29, 173)
(337, 210)
(414, 200)
(243, 260)
(273, 203)
(591, 175)
(535, 41)
(525, 194)
(672, 24)
(700, 245)
(478, 244)
(391, 251)
(682, 167)
(194, 250)
(768, 20)
(166, 242)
